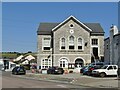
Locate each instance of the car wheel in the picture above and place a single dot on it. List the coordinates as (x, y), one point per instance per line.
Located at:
(88, 73)
(83, 73)
(60, 72)
(48, 72)
(52, 72)
(102, 74)
(15, 73)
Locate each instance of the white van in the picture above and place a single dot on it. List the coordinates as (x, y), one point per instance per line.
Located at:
(1, 65)
(106, 70)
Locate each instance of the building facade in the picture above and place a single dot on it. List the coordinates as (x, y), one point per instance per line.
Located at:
(69, 44)
(112, 47)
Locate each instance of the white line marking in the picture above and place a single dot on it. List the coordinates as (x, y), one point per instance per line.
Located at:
(61, 86)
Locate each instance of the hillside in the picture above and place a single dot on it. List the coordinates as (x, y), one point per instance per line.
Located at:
(13, 55)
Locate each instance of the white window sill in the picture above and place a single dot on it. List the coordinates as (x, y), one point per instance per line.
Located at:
(71, 50)
(46, 50)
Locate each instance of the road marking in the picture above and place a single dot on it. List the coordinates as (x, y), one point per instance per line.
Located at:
(61, 86)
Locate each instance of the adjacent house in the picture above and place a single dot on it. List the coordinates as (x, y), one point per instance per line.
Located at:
(112, 46)
(18, 58)
(6, 64)
(69, 44)
(25, 59)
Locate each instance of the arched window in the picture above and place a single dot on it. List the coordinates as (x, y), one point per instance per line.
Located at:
(63, 43)
(63, 63)
(80, 43)
(46, 63)
(71, 42)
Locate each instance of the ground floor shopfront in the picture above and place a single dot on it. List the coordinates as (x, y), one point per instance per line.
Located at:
(64, 61)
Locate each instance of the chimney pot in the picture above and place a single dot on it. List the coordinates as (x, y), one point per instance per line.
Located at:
(112, 26)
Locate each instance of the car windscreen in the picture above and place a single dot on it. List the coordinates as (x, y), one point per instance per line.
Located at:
(104, 67)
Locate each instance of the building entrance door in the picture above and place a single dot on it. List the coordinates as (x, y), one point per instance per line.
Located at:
(79, 63)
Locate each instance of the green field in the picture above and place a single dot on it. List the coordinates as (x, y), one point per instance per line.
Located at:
(14, 54)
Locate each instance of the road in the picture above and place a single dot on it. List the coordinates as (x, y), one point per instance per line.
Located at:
(11, 82)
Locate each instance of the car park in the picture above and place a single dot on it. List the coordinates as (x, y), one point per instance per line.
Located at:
(106, 70)
(18, 70)
(55, 70)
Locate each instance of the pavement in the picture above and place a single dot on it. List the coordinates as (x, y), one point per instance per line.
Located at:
(76, 79)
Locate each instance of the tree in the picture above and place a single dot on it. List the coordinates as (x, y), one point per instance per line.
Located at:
(29, 52)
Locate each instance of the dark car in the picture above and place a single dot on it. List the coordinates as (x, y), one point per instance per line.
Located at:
(55, 70)
(118, 72)
(88, 69)
(82, 69)
(18, 70)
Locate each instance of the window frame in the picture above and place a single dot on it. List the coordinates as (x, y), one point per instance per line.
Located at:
(70, 44)
(80, 45)
(94, 43)
(61, 44)
(70, 25)
(63, 62)
(45, 46)
(46, 63)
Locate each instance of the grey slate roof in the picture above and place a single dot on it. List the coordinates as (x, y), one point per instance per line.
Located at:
(96, 27)
(46, 28)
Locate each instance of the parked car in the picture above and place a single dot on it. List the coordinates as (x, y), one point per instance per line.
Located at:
(55, 70)
(98, 64)
(82, 69)
(19, 70)
(118, 72)
(106, 70)
(88, 69)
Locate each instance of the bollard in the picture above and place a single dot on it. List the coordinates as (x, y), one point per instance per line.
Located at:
(66, 71)
(33, 71)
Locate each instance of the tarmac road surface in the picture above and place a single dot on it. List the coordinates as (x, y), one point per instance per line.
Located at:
(10, 82)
